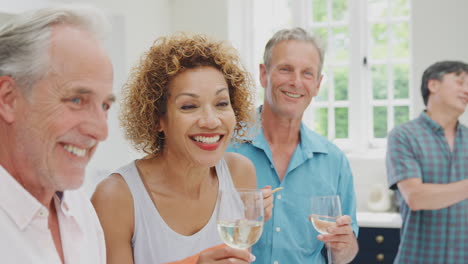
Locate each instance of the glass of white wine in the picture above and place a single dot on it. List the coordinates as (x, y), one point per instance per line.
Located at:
(324, 212)
(240, 217)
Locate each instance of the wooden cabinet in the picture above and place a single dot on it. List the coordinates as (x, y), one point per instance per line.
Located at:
(377, 245)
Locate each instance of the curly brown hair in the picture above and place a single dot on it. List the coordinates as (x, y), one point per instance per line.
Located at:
(146, 92)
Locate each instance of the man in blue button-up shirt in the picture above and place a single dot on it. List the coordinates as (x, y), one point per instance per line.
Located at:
(288, 154)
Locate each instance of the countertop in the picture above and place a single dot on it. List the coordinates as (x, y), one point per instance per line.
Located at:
(380, 219)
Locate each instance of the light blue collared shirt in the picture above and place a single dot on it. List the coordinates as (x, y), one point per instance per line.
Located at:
(317, 168)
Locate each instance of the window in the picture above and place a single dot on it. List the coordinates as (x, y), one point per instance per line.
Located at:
(365, 91)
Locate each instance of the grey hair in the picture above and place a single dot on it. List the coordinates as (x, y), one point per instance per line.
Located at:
(25, 40)
(298, 34)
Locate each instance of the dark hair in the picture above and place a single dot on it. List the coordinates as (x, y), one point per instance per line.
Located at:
(437, 71)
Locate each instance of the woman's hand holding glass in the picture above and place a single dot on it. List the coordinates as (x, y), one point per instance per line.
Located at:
(240, 217)
(220, 255)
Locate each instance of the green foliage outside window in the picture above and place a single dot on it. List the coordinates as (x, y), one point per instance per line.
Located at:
(319, 10)
(400, 38)
(340, 9)
(379, 42)
(401, 114)
(382, 52)
(380, 121)
(341, 75)
(341, 122)
(321, 121)
(379, 82)
(401, 81)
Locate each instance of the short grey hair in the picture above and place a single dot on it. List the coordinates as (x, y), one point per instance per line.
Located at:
(25, 40)
(298, 34)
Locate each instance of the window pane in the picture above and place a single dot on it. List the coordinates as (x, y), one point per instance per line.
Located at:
(340, 44)
(401, 81)
(322, 96)
(400, 8)
(260, 95)
(321, 121)
(319, 10)
(379, 82)
(401, 114)
(341, 83)
(341, 122)
(379, 41)
(401, 40)
(340, 9)
(322, 33)
(377, 9)
(380, 121)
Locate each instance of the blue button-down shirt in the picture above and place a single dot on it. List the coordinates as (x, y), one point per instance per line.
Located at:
(316, 168)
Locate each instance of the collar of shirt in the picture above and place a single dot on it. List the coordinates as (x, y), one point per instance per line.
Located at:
(433, 125)
(21, 206)
(310, 142)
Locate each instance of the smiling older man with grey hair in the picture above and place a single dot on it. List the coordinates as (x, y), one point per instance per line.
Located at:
(55, 92)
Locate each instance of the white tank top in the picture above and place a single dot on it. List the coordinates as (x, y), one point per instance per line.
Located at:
(155, 242)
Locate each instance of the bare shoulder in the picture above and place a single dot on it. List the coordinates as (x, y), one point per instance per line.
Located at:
(242, 170)
(113, 202)
(113, 188)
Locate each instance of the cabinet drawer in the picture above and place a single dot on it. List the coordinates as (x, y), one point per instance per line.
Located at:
(379, 238)
(375, 257)
(377, 245)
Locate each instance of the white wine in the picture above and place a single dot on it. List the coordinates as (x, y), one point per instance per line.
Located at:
(321, 224)
(240, 233)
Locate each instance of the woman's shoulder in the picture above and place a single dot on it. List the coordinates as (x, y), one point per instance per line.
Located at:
(114, 206)
(113, 198)
(114, 186)
(242, 170)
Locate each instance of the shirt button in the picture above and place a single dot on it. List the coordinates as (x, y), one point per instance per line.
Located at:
(271, 166)
(41, 213)
(275, 262)
(278, 196)
(278, 229)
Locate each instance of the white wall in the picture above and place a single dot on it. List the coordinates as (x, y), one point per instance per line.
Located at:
(9, 6)
(207, 17)
(439, 33)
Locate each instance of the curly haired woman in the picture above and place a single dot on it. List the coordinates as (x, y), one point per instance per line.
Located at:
(182, 105)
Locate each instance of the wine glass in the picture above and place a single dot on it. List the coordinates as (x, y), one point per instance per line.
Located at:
(324, 212)
(240, 217)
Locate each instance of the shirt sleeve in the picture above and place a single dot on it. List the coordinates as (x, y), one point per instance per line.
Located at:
(401, 161)
(347, 194)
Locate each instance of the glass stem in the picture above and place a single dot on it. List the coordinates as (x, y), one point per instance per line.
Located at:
(329, 254)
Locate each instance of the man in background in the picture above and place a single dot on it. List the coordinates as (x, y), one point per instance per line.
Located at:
(55, 92)
(427, 163)
(288, 154)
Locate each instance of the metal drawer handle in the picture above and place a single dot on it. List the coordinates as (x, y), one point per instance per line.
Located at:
(379, 239)
(380, 257)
